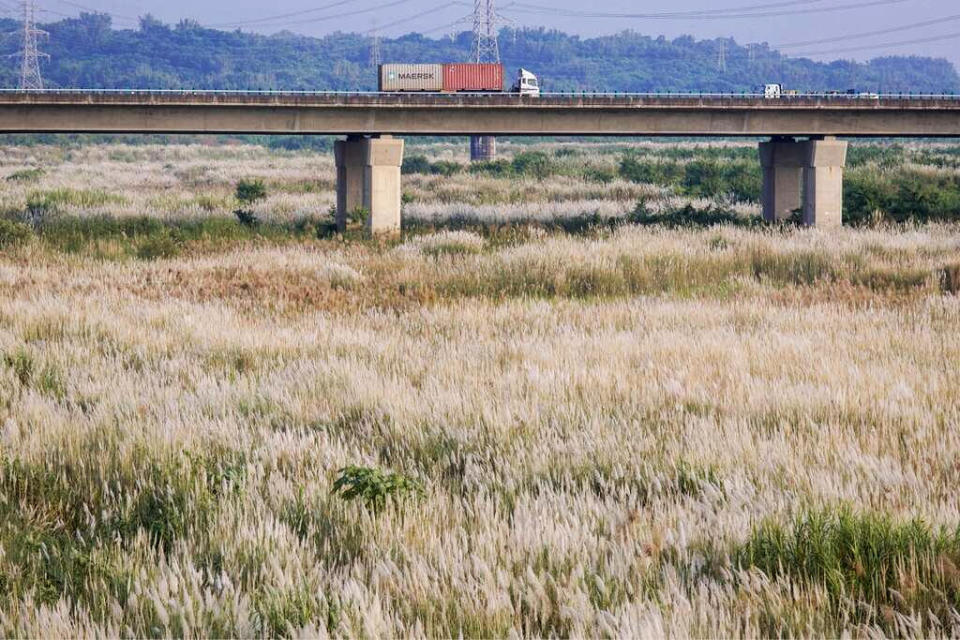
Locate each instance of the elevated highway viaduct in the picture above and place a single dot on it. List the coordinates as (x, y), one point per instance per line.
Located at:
(803, 160)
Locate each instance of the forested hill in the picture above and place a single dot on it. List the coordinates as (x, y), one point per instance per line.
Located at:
(87, 52)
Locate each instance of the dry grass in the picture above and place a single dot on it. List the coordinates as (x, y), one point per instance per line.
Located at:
(627, 433)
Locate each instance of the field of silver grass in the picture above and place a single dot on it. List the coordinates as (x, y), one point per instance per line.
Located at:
(628, 432)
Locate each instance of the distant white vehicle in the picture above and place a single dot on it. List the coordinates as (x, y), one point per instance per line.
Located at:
(527, 84)
(773, 91)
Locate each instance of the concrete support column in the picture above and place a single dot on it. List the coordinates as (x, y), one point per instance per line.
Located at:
(350, 169)
(483, 148)
(383, 158)
(368, 179)
(823, 177)
(783, 161)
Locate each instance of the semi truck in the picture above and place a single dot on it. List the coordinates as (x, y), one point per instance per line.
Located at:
(454, 78)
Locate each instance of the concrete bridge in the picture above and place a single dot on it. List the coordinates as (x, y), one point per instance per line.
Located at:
(802, 163)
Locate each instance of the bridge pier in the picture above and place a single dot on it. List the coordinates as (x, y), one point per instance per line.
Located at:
(782, 160)
(804, 176)
(368, 180)
(823, 188)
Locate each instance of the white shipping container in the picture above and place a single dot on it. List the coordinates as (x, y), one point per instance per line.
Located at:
(411, 77)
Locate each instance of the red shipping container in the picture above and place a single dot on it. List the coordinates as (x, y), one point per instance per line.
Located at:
(473, 77)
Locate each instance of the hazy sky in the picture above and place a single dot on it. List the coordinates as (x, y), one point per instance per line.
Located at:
(801, 22)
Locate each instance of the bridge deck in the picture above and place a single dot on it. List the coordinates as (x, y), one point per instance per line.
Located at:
(463, 114)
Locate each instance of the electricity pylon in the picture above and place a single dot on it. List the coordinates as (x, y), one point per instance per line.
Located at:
(30, 78)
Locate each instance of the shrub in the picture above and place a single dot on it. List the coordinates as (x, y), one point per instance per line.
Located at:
(13, 233)
(603, 176)
(251, 191)
(375, 488)
(164, 245)
(636, 169)
(446, 168)
(246, 218)
(415, 164)
(535, 164)
(493, 168)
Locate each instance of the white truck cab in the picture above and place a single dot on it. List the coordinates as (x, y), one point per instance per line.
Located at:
(527, 84)
(773, 91)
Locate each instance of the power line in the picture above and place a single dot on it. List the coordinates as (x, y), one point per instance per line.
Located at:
(884, 45)
(335, 16)
(700, 15)
(92, 10)
(417, 16)
(283, 16)
(870, 34)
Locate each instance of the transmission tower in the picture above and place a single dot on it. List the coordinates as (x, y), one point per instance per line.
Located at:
(376, 57)
(486, 50)
(485, 23)
(722, 57)
(30, 78)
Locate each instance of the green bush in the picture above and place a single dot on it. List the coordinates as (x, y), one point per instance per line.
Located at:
(375, 488)
(251, 191)
(446, 168)
(709, 179)
(901, 195)
(163, 245)
(415, 164)
(493, 168)
(601, 175)
(636, 169)
(533, 164)
(13, 233)
(246, 218)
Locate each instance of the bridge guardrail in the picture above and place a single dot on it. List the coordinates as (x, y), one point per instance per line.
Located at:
(583, 94)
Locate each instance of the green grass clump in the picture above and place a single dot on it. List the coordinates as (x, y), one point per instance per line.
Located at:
(149, 238)
(862, 559)
(52, 548)
(56, 199)
(26, 175)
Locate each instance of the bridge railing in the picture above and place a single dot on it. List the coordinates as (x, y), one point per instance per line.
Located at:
(826, 95)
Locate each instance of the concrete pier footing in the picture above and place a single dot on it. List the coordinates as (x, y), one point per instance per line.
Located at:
(804, 176)
(368, 180)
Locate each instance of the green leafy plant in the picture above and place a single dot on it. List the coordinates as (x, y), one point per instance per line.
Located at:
(375, 487)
